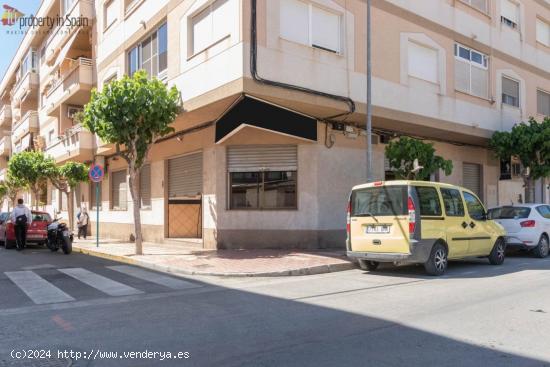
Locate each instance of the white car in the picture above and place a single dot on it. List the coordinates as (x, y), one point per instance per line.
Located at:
(527, 226)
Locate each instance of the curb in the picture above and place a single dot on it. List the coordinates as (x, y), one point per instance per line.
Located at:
(312, 270)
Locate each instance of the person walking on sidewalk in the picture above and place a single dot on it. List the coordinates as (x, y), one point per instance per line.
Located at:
(21, 218)
(83, 219)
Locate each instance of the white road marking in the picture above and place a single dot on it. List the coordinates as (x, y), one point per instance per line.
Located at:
(101, 283)
(39, 290)
(150, 276)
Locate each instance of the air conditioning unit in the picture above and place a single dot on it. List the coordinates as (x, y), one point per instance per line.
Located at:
(72, 110)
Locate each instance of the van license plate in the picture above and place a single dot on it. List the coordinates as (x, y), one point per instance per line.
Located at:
(377, 229)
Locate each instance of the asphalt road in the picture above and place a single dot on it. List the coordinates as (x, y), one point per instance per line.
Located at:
(476, 315)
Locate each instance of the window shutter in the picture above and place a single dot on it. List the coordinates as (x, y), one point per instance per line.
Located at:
(471, 176)
(119, 195)
(185, 176)
(294, 21)
(423, 62)
(462, 76)
(222, 19)
(543, 32)
(510, 88)
(325, 29)
(202, 30)
(509, 10)
(254, 158)
(543, 103)
(480, 82)
(145, 186)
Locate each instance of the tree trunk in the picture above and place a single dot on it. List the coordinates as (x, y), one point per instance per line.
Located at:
(70, 208)
(134, 189)
(528, 182)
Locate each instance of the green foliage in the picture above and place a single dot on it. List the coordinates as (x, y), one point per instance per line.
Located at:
(31, 169)
(402, 153)
(529, 142)
(133, 112)
(74, 173)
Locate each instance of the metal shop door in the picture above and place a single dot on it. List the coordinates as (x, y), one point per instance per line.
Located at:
(185, 196)
(471, 176)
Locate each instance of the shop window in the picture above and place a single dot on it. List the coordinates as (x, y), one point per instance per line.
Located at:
(263, 190)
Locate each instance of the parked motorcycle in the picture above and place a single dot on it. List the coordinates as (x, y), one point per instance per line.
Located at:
(59, 236)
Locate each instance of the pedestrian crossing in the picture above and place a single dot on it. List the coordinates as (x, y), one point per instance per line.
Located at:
(41, 290)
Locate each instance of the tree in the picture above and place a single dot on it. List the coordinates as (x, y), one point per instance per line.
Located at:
(402, 153)
(11, 188)
(133, 113)
(65, 178)
(31, 169)
(530, 143)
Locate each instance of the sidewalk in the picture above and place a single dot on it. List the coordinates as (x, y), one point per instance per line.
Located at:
(191, 260)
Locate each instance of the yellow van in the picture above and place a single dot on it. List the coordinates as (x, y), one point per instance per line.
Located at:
(420, 222)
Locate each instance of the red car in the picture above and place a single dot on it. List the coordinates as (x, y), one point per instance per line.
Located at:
(37, 232)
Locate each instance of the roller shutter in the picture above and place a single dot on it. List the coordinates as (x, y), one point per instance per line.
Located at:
(119, 190)
(185, 176)
(254, 158)
(145, 186)
(471, 178)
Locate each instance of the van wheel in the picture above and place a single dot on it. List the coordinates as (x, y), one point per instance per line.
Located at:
(498, 253)
(541, 251)
(437, 262)
(368, 265)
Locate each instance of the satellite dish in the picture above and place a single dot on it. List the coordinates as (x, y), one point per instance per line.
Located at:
(416, 166)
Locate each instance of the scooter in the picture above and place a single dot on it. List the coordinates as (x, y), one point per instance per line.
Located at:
(59, 236)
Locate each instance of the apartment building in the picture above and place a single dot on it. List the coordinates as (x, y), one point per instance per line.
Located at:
(271, 138)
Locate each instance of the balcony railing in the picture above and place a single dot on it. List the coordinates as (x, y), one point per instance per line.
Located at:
(78, 75)
(28, 123)
(75, 143)
(25, 86)
(5, 116)
(82, 13)
(5, 146)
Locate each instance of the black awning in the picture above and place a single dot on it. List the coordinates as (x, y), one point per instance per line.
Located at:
(252, 112)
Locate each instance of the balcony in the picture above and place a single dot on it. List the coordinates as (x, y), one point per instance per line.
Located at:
(25, 87)
(76, 144)
(71, 86)
(82, 15)
(29, 123)
(5, 116)
(5, 146)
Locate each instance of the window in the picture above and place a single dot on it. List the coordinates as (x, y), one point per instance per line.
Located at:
(151, 54)
(543, 103)
(211, 25)
(429, 201)
(509, 212)
(109, 13)
(42, 55)
(29, 64)
(379, 201)
(263, 190)
(475, 208)
(145, 186)
(544, 210)
(452, 200)
(50, 136)
(478, 4)
(45, 217)
(93, 198)
(308, 24)
(423, 62)
(510, 92)
(509, 13)
(471, 71)
(118, 190)
(543, 32)
(68, 5)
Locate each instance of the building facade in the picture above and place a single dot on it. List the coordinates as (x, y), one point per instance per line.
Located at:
(271, 137)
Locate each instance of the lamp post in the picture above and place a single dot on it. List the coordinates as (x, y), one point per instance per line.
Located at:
(369, 96)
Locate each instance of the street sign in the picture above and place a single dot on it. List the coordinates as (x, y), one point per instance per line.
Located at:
(96, 173)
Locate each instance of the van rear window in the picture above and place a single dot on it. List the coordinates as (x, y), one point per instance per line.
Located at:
(509, 212)
(384, 200)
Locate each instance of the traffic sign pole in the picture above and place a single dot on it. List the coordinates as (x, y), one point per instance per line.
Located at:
(96, 174)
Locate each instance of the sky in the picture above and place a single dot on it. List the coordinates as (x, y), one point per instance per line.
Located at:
(10, 42)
